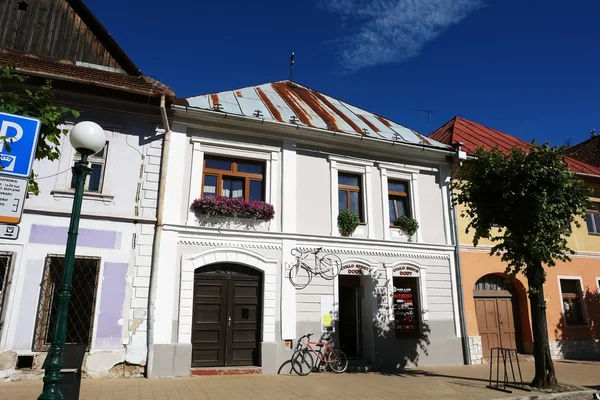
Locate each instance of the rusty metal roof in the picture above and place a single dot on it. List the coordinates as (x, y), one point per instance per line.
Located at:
(289, 102)
(472, 135)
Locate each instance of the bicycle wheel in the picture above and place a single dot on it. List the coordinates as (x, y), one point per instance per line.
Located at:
(302, 362)
(330, 266)
(300, 276)
(337, 361)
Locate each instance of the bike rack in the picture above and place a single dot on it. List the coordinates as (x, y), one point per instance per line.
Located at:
(507, 356)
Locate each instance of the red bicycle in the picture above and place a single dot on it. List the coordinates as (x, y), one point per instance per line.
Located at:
(303, 362)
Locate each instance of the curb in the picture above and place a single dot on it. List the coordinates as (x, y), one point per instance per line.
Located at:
(549, 396)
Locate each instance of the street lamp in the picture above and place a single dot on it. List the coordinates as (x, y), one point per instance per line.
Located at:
(87, 138)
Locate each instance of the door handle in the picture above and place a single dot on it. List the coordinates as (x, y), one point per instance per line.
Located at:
(229, 321)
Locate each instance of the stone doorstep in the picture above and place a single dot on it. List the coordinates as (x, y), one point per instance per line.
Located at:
(210, 371)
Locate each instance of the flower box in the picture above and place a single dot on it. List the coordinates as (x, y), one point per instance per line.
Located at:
(233, 208)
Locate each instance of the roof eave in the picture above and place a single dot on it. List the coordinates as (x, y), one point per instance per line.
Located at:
(276, 125)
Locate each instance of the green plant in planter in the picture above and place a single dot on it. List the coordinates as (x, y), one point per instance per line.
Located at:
(347, 222)
(407, 225)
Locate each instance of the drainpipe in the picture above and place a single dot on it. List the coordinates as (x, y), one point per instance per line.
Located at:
(157, 236)
(461, 301)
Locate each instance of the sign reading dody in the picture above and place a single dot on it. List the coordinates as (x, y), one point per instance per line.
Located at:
(17, 149)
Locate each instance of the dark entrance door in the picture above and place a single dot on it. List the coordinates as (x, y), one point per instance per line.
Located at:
(350, 332)
(226, 316)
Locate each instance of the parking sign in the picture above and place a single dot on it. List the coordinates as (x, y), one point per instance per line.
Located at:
(21, 136)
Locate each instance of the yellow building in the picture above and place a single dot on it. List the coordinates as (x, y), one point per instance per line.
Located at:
(497, 310)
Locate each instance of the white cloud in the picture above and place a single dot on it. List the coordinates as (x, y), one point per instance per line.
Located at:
(393, 30)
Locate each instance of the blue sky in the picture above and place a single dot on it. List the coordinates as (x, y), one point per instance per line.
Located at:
(530, 68)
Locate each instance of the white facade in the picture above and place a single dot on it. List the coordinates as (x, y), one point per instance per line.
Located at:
(116, 234)
(301, 177)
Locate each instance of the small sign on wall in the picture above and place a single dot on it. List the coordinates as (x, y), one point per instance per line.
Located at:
(406, 271)
(355, 269)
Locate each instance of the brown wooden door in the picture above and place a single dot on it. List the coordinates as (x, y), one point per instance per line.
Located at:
(495, 322)
(226, 318)
(507, 323)
(209, 328)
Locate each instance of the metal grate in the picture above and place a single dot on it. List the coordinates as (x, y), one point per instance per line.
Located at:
(81, 305)
(5, 263)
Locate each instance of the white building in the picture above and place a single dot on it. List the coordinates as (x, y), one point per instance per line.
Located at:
(108, 306)
(222, 294)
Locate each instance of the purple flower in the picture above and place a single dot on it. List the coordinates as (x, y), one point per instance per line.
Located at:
(236, 208)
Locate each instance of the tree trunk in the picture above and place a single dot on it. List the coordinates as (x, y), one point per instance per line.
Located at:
(544, 367)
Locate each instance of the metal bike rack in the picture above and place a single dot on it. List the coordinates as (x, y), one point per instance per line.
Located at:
(507, 361)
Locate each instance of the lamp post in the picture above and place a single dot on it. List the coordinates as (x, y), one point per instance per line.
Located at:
(87, 138)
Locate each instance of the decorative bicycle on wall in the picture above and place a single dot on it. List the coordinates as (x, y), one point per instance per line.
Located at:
(327, 266)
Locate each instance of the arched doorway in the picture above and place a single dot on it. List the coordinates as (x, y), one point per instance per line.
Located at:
(227, 314)
(497, 311)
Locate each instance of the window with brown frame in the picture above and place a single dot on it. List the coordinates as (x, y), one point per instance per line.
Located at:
(350, 194)
(398, 200)
(592, 219)
(233, 178)
(571, 299)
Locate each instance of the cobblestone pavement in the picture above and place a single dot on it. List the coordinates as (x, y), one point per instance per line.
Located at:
(423, 383)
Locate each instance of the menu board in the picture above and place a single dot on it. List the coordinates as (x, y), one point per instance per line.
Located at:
(406, 306)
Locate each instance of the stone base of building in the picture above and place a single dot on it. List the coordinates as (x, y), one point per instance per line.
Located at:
(475, 350)
(576, 349)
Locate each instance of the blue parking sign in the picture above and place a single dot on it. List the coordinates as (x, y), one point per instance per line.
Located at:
(21, 136)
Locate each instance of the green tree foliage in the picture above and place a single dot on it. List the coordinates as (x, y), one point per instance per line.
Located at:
(526, 203)
(17, 98)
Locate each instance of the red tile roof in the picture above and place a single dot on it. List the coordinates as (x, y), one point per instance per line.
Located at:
(587, 152)
(66, 70)
(472, 135)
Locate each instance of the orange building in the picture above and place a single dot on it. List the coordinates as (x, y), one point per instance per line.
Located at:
(497, 309)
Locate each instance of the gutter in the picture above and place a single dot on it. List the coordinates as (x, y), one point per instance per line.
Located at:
(156, 244)
(311, 130)
(459, 284)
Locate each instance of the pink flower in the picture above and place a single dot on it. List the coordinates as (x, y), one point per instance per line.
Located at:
(236, 208)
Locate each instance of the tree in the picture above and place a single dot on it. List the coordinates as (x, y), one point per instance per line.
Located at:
(16, 98)
(525, 203)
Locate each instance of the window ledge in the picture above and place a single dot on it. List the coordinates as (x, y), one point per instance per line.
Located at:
(593, 234)
(69, 194)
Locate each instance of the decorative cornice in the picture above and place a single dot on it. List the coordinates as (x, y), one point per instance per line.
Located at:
(486, 249)
(244, 245)
(383, 253)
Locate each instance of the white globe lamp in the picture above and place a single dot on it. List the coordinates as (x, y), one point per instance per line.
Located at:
(87, 138)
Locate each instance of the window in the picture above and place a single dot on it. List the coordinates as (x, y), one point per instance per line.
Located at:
(349, 194)
(81, 304)
(406, 307)
(5, 263)
(571, 301)
(233, 178)
(398, 200)
(592, 219)
(97, 162)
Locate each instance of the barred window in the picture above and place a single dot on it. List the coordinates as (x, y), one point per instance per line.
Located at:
(5, 264)
(80, 317)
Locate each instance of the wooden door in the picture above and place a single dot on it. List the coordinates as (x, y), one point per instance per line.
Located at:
(496, 323)
(209, 323)
(226, 317)
(243, 326)
(506, 323)
(487, 322)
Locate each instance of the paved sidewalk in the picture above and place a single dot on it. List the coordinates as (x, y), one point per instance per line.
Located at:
(423, 383)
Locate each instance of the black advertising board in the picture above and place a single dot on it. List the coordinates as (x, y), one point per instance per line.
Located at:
(405, 306)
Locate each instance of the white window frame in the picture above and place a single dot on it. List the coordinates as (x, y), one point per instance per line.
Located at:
(354, 166)
(421, 285)
(583, 305)
(406, 174)
(268, 154)
(95, 160)
(593, 212)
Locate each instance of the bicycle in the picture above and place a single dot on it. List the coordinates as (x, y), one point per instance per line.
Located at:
(303, 362)
(327, 266)
(300, 347)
